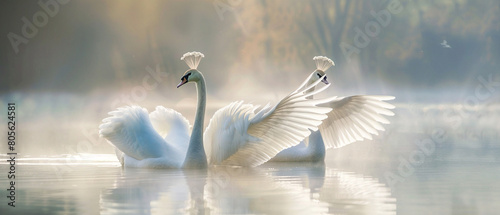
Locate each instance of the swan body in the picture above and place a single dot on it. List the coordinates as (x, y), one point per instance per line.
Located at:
(237, 134)
(311, 149)
(352, 119)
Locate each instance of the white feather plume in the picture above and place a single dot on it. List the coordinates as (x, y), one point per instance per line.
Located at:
(192, 59)
(323, 63)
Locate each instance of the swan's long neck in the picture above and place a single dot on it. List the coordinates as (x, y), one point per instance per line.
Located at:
(312, 88)
(195, 157)
(316, 145)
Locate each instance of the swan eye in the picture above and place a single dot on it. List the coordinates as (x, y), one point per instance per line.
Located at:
(319, 76)
(185, 76)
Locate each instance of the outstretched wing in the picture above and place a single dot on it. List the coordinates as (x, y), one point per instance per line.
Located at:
(171, 125)
(354, 118)
(255, 138)
(130, 130)
(227, 131)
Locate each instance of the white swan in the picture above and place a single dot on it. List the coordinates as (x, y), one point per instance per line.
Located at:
(352, 119)
(236, 135)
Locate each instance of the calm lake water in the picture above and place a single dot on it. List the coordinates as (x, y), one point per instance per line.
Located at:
(93, 184)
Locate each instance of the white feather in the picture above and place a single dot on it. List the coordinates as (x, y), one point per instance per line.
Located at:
(352, 119)
(130, 130)
(238, 136)
(323, 63)
(355, 118)
(171, 125)
(192, 59)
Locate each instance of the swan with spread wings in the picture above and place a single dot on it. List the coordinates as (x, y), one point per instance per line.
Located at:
(237, 134)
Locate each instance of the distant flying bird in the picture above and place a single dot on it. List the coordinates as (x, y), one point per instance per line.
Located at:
(445, 44)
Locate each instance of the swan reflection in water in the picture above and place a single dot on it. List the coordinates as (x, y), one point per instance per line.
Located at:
(151, 191)
(273, 188)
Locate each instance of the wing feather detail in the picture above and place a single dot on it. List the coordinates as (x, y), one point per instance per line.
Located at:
(130, 130)
(276, 128)
(354, 118)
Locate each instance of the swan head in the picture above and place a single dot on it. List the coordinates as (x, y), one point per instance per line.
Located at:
(192, 75)
(322, 64)
(192, 59)
(318, 74)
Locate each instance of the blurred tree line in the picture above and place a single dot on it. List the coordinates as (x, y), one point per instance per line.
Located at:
(91, 45)
(406, 50)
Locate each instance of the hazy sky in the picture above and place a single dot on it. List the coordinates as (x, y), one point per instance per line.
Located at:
(251, 47)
